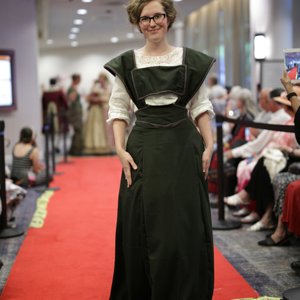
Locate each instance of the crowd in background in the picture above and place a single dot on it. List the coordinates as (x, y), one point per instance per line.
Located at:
(63, 114)
(91, 134)
(261, 167)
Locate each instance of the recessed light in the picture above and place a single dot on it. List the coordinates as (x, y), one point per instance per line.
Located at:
(82, 11)
(114, 39)
(130, 35)
(78, 21)
(74, 43)
(72, 36)
(177, 0)
(75, 29)
(87, 1)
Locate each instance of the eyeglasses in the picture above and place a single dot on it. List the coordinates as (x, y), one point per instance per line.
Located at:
(157, 18)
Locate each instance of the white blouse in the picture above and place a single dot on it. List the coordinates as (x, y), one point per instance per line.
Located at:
(120, 104)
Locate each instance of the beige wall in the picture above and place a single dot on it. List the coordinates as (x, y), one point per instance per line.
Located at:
(18, 33)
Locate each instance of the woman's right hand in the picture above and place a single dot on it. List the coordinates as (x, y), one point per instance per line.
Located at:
(127, 163)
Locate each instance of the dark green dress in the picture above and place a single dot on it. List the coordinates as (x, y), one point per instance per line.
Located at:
(164, 247)
(75, 119)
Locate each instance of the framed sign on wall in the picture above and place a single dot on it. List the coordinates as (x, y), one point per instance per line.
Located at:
(7, 80)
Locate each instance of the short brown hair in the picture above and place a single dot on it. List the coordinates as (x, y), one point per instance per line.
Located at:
(26, 135)
(135, 7)
(75, 77)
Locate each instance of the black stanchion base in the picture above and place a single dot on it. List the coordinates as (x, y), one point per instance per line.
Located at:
(225, 224)
(58, 173)
(66, 162)
(291, 294)
(8, 232)
(44, 189)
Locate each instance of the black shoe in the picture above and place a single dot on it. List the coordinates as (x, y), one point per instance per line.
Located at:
(295, 265)
(268, 241)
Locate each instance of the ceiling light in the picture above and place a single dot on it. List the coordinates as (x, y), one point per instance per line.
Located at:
(130, 35)
(78, 21)
(75, 29)
(81, 11)
(177, 0)
(87, 1)
(72, 36)
(114, 39)
(74, 43)
(49, 42)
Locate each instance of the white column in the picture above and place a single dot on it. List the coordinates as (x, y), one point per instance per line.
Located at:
(281, 27)
(18, 32)
(274, 19)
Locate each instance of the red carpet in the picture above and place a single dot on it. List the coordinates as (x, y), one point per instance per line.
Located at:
(71, 256)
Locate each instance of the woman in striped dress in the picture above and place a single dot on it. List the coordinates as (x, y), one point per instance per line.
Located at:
(27, 168)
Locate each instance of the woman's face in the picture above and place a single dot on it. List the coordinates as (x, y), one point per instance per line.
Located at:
(155, 28)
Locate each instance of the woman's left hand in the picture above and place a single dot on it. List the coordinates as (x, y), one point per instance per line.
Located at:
(286, 82)
(206, 157)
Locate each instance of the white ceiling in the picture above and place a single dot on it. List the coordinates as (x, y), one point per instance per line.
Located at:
(105, 19)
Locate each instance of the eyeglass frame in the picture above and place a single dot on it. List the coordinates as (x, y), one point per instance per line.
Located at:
(151, 18)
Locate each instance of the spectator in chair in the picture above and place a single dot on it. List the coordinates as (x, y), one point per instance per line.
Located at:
(253, 150)
(280, 182)
(27, 169)
(246, 112)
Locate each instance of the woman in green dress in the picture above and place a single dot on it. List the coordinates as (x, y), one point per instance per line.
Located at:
(164, 246)
(96, 132)
(75, 115)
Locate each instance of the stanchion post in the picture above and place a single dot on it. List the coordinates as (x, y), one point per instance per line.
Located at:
(220, 180)
(65, 145)
(47, 165)
(2, 177)
(46, 131)
(65, 130)
(52, 138)
(5, 231)
(221, 223)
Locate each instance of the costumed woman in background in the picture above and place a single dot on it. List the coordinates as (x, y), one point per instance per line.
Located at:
(97, 139)
(75, 115)
(164, 246)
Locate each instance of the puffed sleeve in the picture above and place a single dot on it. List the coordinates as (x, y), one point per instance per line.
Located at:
(200, 104)
(119, 103)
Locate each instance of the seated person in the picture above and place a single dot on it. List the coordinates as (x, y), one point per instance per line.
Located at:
(267, 190)
(246, 112)
(27, 170)
(252, 150)
(286, 209)
(264, 114)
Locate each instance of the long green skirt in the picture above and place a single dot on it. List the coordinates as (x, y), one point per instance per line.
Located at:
(164, 247)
